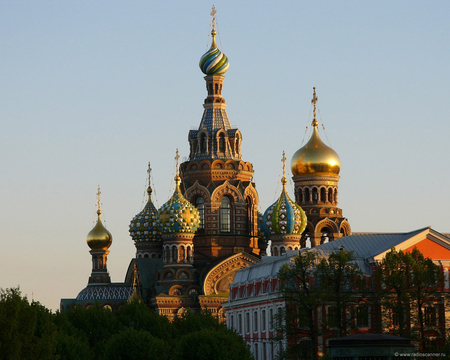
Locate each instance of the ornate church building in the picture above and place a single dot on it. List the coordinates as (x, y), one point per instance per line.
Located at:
(189, 250)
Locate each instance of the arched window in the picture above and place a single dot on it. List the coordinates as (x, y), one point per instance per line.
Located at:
(225, 215)
(249, 224)
(222, 142)
(315, 195)
(307, 196)
(323, 194)
(200, 203)
(330, 195)
(300, 196)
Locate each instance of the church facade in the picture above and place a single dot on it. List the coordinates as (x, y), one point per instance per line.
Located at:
(188, 251)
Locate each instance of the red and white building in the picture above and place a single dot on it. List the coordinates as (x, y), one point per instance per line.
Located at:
(254, 295)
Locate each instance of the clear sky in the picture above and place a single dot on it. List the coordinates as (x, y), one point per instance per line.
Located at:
(90, 91)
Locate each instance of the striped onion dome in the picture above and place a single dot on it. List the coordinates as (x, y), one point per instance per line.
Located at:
(284, 216)
(178, 215)
(144, 227)
(214, 62)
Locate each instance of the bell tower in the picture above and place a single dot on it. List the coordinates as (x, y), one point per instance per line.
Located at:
(315, 168)
(215, 178)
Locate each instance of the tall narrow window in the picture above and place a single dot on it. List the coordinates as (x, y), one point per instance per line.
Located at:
(315, 195)
(263, 320)
(200, 203)
(222, 143)
(430, 316)
(249, 224)
(362, 316)
(225, 215)
(203, 143)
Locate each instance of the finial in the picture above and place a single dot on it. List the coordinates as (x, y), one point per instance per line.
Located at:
(99, 198)
(213, 25)
(314, 101)
(283, 179)
(135, 276)
(149, 189)
(177, 176)
(213, 17)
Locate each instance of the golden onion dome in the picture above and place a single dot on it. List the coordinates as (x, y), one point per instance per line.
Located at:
(315, 157)
(99, 238)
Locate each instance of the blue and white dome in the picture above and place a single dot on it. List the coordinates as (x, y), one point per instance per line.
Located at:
(144, 227)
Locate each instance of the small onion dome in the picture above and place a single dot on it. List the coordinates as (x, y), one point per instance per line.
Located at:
(214, 62)
(99, 238)
(178, 215)
(315, 157)
(284, 216)
(144, 227)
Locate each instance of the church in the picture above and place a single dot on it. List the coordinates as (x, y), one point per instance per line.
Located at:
(188, 251)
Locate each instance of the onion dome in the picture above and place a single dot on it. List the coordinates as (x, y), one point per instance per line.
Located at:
(178, 215)
(315, 157)
(213, 62)
(99, 238)
(284, 216)
(144, 227)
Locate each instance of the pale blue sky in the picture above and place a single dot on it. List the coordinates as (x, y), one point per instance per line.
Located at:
(92, 91)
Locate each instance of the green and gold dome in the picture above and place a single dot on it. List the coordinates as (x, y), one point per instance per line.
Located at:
(315, 157)
(178, 215)
(99, 238)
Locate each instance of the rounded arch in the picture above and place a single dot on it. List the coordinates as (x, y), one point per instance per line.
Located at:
(326, 223)
(230, 164)
(241, 165)
(176, 290)
(251, 192)
(193, 165)
(205, 164)
(218, 164)
(202, 138)
(248, 166)
(226, 189)
(196, 191)
(167, 274)
(182, 273)
(345, 228)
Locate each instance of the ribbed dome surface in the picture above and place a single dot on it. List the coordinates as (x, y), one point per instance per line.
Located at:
(284, 216)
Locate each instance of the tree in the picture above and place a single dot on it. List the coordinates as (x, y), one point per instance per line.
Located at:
(393, 282)
(218, 344)
(27, 330)
(303, 298)
(409, 284)
(344, 285)
(130, 344)
(426, 287)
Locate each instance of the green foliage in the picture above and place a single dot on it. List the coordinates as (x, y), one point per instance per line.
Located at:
(191, 322)
(27, 330)
(130, 344)
(407, 282)
(343, 285)
(138, 316)
(303, 298)
(209, 344)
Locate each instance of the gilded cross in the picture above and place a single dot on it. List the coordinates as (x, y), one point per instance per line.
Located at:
(177, 157)
(314, 102)
(283, 160)
(149, 170)
(99, 197)
(213, 16)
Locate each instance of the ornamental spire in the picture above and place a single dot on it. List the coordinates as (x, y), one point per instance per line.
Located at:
(177, 176)
(283, 179)
(149, 188)
(99, 199)
(314, 102)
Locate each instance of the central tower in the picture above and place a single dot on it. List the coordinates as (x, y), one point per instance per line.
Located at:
(215, 178)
